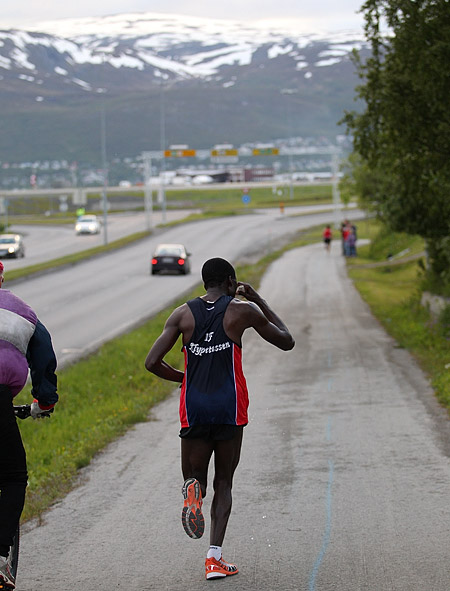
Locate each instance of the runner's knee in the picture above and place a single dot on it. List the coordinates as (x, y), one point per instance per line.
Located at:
(222, 484)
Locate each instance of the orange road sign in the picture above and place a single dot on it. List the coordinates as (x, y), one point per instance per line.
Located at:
(179, 153)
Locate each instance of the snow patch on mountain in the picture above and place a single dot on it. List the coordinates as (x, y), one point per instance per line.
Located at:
(169, 45)
(20, 57)
(277, 50)
(326, 63)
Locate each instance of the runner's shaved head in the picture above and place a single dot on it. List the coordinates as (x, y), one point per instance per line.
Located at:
(216, 271)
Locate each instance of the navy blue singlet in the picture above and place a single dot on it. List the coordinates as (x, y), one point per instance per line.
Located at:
(214, 390)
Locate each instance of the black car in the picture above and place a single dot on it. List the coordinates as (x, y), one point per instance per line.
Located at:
(171, 258)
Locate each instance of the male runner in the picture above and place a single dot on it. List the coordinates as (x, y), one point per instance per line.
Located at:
(24, 343)
(214, 398)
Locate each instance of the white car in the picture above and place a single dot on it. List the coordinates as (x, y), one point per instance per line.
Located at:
(202, 179)
(11, 246)
(87, 224)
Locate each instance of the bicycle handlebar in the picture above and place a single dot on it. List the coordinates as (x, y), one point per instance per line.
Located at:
(24, 411)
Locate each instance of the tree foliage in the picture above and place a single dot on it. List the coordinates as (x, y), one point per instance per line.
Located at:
(402, 136)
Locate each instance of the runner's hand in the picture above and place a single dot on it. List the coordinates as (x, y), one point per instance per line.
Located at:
(246, 290)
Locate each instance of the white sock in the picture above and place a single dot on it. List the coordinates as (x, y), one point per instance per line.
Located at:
(215, 552)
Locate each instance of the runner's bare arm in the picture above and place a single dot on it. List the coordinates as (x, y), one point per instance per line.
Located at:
(265, 321)
(154, 361)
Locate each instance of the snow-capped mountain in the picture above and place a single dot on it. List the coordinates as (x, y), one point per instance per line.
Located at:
(201, 80)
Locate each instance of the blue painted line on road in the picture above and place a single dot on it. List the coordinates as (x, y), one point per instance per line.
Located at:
(329, 429)
(327, 532)
(328, 499)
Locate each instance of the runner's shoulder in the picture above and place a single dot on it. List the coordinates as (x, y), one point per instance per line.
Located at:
(178, 313)
(243, 306)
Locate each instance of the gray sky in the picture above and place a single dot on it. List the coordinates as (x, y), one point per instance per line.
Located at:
(327, 15)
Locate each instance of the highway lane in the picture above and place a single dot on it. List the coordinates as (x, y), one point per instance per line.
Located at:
(89, 303)
(343, 482)
(47, 242)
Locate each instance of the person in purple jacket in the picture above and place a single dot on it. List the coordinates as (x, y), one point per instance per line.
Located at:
(25, 344)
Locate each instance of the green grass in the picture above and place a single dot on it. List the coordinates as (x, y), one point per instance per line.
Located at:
(75, 257)
(100, 397)
(207, 214)
(97, 405)
(384, 243)
(231, 198)
(36, 210)
(393, 294)
(55, 219)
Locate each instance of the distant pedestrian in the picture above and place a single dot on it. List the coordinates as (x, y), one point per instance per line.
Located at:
(327, 237)
(345, 230)
(351, 242)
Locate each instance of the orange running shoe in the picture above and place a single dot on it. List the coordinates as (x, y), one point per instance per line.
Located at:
(192, 516)
(216, 569)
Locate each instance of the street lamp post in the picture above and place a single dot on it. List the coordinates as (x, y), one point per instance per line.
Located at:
(163, 147)
(336, 193)
(291, 178)
(148, 193)
(105, 174)
(4, 211)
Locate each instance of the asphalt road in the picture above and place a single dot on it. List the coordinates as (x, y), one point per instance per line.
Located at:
(343, 483)
(88, 303)
(47, 242)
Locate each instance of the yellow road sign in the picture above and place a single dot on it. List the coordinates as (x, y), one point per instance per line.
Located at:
(179, 153)
(224, 152)
(265, 151)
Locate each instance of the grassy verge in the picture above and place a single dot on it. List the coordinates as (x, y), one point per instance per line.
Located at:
(393, 293)
(231, 198)
(41, 210)
(100, 398)
(76, 257)
(384, 244)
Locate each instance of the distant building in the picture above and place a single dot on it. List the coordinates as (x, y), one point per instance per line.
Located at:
(247, 175)
(218, 176)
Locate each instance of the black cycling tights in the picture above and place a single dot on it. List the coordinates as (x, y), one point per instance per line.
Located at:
(13, 471)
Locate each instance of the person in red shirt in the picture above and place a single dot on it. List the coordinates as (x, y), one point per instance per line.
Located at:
(327, 237)
(345, 231)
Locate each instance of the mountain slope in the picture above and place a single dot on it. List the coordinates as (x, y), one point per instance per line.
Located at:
(166, 79)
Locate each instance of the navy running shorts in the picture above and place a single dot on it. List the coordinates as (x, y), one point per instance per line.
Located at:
(211, 432)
